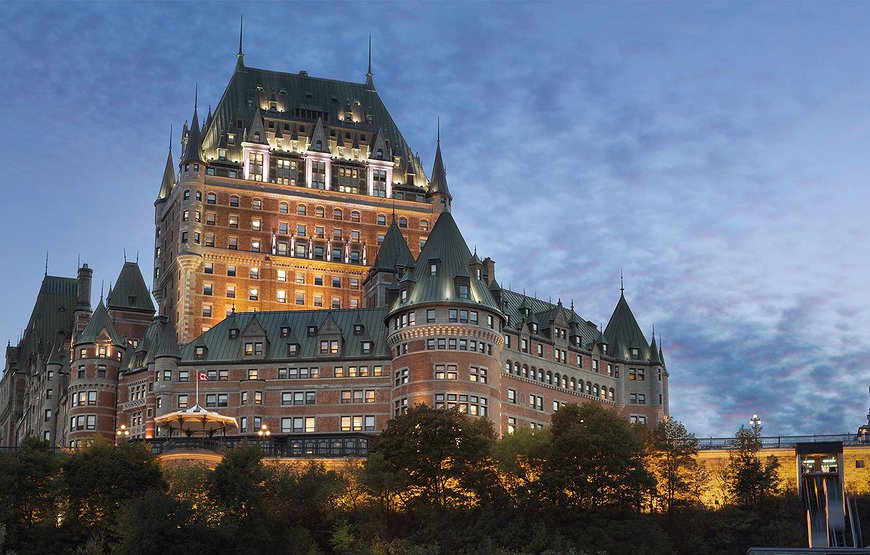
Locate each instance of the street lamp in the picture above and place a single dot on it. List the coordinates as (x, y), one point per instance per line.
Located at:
(755, 421)
(122, 432)
(264, 434)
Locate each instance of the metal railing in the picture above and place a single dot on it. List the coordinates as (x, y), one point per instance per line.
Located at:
(290, 446)
(774, 442)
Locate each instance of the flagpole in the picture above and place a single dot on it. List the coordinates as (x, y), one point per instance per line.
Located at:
(197, 388)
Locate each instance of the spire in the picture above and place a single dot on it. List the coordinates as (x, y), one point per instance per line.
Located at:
(370, 83)
(319, 142)
(438, 185)
(621, 282)
(168, 346)
(46, 264)
(168, 173)
(130, 292)
(193, 149)
(653, 349)
(257, 133)
(625, 334)
(240, 57)
(394, 251)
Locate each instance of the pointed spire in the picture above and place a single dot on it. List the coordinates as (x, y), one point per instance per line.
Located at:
(193, 149)
(621, 282)
(370, 83)
(653, 349)
(240, 57)
(46, 264)
(168, 173)
(379, 149)
(168, 346)
(258, 132)
(438, 185)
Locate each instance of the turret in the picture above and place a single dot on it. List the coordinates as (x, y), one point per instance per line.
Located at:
(438, 190)
(394, 259)
(442, 305)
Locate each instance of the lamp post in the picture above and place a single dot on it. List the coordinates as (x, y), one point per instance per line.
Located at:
(264, 434)
(755, 422)
(122, 432)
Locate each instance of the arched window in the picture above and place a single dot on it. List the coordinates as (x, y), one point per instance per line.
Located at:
(403, 222)
(283, 207)
(557, 379)
(540, 375)
(318, 211)
(610, 394)
(354, 216)
(565, 382)
(234, 200)
(595, 390)
(424, 225)
(573, 384)
(301, 210)
(382, 220)
(508, 366)
(336, 214)
(318, 145)
(588, 388)
(517, 369)
(550, 378)
(526, 372)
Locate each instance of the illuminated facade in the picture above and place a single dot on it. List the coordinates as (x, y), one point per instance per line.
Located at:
(310, 270)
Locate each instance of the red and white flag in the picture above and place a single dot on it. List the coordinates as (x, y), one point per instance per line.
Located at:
(202, 376)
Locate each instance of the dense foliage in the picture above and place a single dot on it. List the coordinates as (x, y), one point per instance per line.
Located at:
(435, 482)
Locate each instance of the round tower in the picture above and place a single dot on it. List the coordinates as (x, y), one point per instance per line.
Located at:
(446, 331)
(93, 383)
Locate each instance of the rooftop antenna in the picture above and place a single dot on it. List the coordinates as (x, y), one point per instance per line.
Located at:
(46, 263)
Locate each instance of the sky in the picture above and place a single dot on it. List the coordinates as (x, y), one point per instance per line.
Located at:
(714, 152)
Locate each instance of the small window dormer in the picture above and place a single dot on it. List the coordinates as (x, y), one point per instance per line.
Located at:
(285, 331)
(200, 352)
(292, 349)
(634, 353)
(366, 347)
(312, 330)
(358, 329)
(234, 333)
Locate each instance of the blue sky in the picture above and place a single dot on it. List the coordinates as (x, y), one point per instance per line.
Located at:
(715, 152)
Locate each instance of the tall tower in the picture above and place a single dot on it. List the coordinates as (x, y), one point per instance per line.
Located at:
(283, 198)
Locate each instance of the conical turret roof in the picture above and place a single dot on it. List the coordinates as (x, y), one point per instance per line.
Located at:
(130, 291)
(623, 333)
(193, 149)
(168, 177)
(438, 183)
(168, 345)
(100, 322)
(257, 134)
(448, 251)
(654, 350)
(394, 251)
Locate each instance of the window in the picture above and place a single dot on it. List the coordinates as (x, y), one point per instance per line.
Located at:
(382, 220)
(366, 347)
(634, 353)
(253, 294)
(476, 374)
(637, 419)
(231, 271)
(256, 224)
(401, 377)
(512, 396)
(211, 198)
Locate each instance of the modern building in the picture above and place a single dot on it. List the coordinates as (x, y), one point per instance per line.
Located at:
(313, 274)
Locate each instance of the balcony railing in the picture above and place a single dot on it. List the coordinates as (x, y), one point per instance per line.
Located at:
(775, 442)
(281, 446)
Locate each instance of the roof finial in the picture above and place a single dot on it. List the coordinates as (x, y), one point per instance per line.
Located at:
(394, 211)
(170, 138)
(125, 256)
(195, 96)
(241, 29)
(137, 256)
(369, 74)
(438, 132)
(46, 263)
(621, 282)
(102, 283)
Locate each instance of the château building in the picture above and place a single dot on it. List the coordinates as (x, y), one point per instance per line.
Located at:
(312, 273)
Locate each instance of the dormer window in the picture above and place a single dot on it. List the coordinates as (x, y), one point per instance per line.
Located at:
(200, 352)
(312, 330)
(463, 291)
(234, 333)
(254, 348)
(604, 348)
(433, 268)
(357, 329)
(292, 349)
(404, 295)
(366, 347)
(634, 353)
(285, 331)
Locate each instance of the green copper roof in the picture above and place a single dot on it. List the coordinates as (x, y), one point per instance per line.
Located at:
(300, 101)
(168, 177)
(394, 251)
(623, 333)
(338, 323)
(447, 251)
(439, 174)
(513, 303)
(52, 313)
(193, 150)
(168, 346)
(100, 321)
(130, 291)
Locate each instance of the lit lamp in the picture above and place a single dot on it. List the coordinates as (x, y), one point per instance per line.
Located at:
(755, 422)
(264, 431)
(122, 432)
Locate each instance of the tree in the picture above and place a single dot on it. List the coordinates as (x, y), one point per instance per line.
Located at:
(672, 458)
(595, 460)
(433, 457)
(100, 478)
(747, 480)
(521, 457)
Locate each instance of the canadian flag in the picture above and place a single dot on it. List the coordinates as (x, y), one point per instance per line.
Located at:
(201, 376)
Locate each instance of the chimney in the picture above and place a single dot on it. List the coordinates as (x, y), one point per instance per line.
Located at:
(83, 300)
(489, 269)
